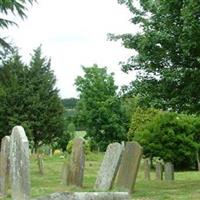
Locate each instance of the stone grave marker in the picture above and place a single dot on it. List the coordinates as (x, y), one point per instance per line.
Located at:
(40, 164)
(129, 166)
(169, 171)
(87, 196)
(5, 165)
(159, 171)
(19, 164)
(146, 169)
(77, 163)
(109, 167)
(65, 173)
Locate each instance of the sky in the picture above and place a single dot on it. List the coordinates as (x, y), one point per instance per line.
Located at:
(73, 33)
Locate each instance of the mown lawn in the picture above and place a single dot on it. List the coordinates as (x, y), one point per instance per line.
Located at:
(185, 187)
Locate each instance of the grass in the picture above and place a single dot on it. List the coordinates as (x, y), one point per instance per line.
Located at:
(185, 187)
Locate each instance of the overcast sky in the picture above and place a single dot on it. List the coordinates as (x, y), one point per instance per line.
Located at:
(74, 33)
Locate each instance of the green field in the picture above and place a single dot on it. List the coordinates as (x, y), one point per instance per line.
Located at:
(185, 187)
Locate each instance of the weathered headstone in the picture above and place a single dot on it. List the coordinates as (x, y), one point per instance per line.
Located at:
(50, 152)
(129, 166)
(77, 163)
(146, 169)
(4, 165)
(169, 171)
(109, 167)
(87, 196)
(19, 164)
(40, 164)
(65, 173)
(159, 171)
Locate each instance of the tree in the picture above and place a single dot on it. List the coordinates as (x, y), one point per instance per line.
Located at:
(46, 109)
(99, 107)
(14, 90)
(17, 7)
(69, 103)
(167, 58)
(30, 99)
(167, 135)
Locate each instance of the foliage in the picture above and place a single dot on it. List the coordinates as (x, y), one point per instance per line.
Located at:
(128, 106)
(170, 136)
(57, 152)
(69, 103)
(16, 7)
(99, 107)
(86, 147)
(44, 149)
(139, 119)
(166, 53)
(67, 135)
(30, 99)
(69, 146)
(71, 129)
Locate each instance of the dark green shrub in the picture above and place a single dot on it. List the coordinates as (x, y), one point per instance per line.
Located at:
(170, 136)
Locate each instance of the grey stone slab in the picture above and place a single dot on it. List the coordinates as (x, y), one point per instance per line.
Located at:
(159, 171)
(19, 164)
(129, 166)
(65, 173)
(109, 167)
(169, 171)
(87, 196)
(5, 165)
(40, 165)
(147, 169)
(77, 163)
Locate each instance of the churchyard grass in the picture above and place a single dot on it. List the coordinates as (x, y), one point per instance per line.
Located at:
(185, 187)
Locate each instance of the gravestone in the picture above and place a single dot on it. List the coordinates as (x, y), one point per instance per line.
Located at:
(65, 173)
(87, 196)
(4, 165)
(109, 167)
(77, 163)
(169, 171)
(40, 165)
(129, 166)
(19, 164)
(159, 171)
(146, 169)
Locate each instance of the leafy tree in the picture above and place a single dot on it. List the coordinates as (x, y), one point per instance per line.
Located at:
(29, 98)
(17, 7)
(170, 136)
(45, 108)
(99, 107)
(167, 53)
(67, 135)
(14, 90)
(70, 103)
(140, 117)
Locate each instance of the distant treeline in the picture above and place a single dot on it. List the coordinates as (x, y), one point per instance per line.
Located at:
(69, 103)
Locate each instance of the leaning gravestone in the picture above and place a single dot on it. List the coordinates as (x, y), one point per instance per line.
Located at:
(19, 164)
(146, 169)
(159, 171)
(129, 166)
(4, 165)
(109, 167)
(87, 196)
(77, 163)
(169, 171)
